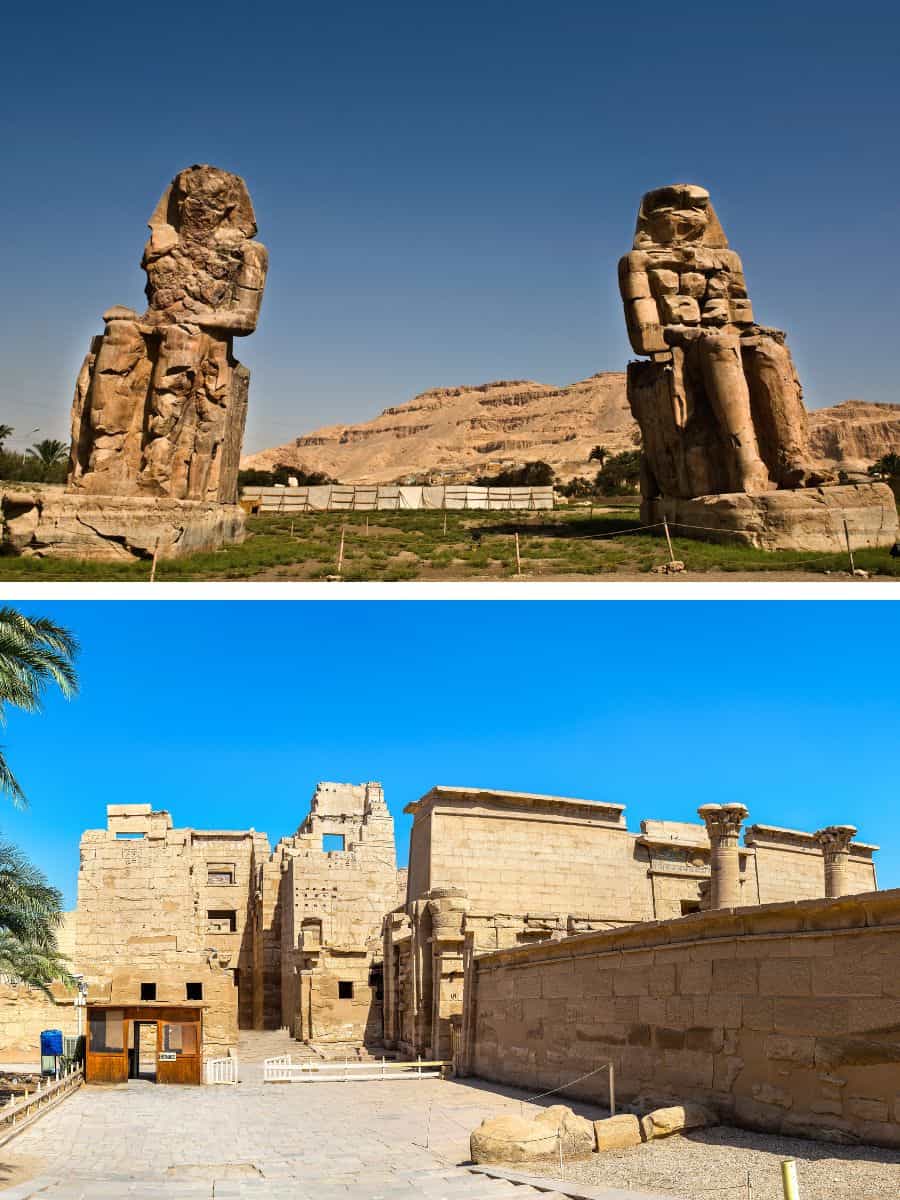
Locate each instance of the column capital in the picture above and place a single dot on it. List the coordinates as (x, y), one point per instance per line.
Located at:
(836, 839)
(723, 820)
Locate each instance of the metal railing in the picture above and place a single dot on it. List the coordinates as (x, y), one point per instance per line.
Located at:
(220, 1070)
(282, 1069)
(21, 1112)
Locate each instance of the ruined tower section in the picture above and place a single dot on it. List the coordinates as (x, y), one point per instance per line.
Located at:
(162, 917)
(339, 877)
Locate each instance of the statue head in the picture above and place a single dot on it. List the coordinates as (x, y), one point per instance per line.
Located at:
(679, 214)
(197, 232)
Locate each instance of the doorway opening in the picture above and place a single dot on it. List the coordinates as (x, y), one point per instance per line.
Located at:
(143, 1056)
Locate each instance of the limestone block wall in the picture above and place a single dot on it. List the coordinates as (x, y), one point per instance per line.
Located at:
(24, 1013)
(784, 1016)
(142, 915)
(332, 905)
(517, 853)
(788, 864)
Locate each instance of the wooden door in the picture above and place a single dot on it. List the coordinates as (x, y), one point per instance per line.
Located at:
(178, 1057)
(106, 1047)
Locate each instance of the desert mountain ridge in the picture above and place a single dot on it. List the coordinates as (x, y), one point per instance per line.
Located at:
(456, 433)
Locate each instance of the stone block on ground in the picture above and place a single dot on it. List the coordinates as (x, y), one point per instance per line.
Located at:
(49, 521)
(804, 519)
(523, 1139)
(618, 1133)
(662, 1122)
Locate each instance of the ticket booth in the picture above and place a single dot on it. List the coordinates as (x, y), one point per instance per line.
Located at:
(162, 1043)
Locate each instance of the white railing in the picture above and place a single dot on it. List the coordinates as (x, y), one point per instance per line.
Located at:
(220, 1070)
(19, 1113)
(282, 1070)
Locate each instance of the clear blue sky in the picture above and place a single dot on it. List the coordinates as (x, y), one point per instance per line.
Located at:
(445, 188)
(228, 713)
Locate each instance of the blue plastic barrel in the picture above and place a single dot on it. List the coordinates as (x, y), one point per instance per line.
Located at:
(51, 1042)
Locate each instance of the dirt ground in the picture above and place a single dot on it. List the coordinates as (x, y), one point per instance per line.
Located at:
(713, 1164)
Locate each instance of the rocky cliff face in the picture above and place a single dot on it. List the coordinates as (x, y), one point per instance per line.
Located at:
(469, 430)
(460, 432)
(855, 434)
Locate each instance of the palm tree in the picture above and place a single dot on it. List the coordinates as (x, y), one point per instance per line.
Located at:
(34, 653)
(599, 454)
(30, 915)
(6, 431)
(49, 451)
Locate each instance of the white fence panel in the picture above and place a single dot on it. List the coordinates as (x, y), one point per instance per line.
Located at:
(220, 1070)
(391, 498)
(282, 1070)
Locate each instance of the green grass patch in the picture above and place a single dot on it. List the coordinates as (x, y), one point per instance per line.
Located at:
(432, 545)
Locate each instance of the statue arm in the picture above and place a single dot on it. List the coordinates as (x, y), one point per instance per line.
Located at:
(641, 313)
(241, 317)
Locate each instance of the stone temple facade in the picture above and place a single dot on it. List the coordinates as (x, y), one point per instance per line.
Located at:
(325, 937)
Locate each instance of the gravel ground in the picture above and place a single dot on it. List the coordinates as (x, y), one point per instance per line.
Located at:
(712, 1164)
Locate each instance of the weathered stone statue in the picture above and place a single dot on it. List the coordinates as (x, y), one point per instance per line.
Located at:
(717, 398)
(160, 402)
(719, 404)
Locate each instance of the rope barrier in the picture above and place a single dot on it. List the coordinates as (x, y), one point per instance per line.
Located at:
(562, 1087)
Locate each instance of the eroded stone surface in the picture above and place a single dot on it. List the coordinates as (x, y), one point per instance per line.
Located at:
(800, 519)
(662, 1122)
(719, 403)
(160, 401)
(618, 1133)
(50, 521)
(512, 1139)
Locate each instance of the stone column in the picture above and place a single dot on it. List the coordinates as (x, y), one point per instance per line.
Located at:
(723, 824)
(835, 842)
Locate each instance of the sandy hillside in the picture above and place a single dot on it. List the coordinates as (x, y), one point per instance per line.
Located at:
(457, 433)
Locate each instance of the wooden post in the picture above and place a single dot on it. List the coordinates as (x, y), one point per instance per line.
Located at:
(849, 550)
(340, 562)
(367, 524)
(153, 564)
(518, 557)
(668, 539)
(292, 528)
(445, 521)
(612, 1090)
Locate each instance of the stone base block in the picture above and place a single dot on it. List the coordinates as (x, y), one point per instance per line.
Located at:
(51, 521)
(804, 519)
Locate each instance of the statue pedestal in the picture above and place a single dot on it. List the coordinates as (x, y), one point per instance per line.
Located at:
(50, 521)
(803, 519)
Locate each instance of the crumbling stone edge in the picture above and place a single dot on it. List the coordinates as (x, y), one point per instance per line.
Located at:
(571, 1189)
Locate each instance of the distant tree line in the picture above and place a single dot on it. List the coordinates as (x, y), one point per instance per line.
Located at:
(280, 475)
(44, 462)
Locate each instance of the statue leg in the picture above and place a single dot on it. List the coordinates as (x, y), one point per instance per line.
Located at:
(110, 401)
(729, 396)
(777, 401)
(172, 416)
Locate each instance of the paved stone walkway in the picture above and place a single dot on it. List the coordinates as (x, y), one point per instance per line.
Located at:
(320, 1141)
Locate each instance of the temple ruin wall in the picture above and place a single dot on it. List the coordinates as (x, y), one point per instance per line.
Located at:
(786, 1017)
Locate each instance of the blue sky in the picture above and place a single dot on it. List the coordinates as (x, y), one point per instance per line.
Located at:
(445, 189)
(228, 713)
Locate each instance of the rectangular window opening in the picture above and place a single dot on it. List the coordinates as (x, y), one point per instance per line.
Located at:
(218, 874)
(332, 842)
(221, 920)
(345, 989)
(129, 837)
(689, 906)
(193, 991)
(148, 991)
